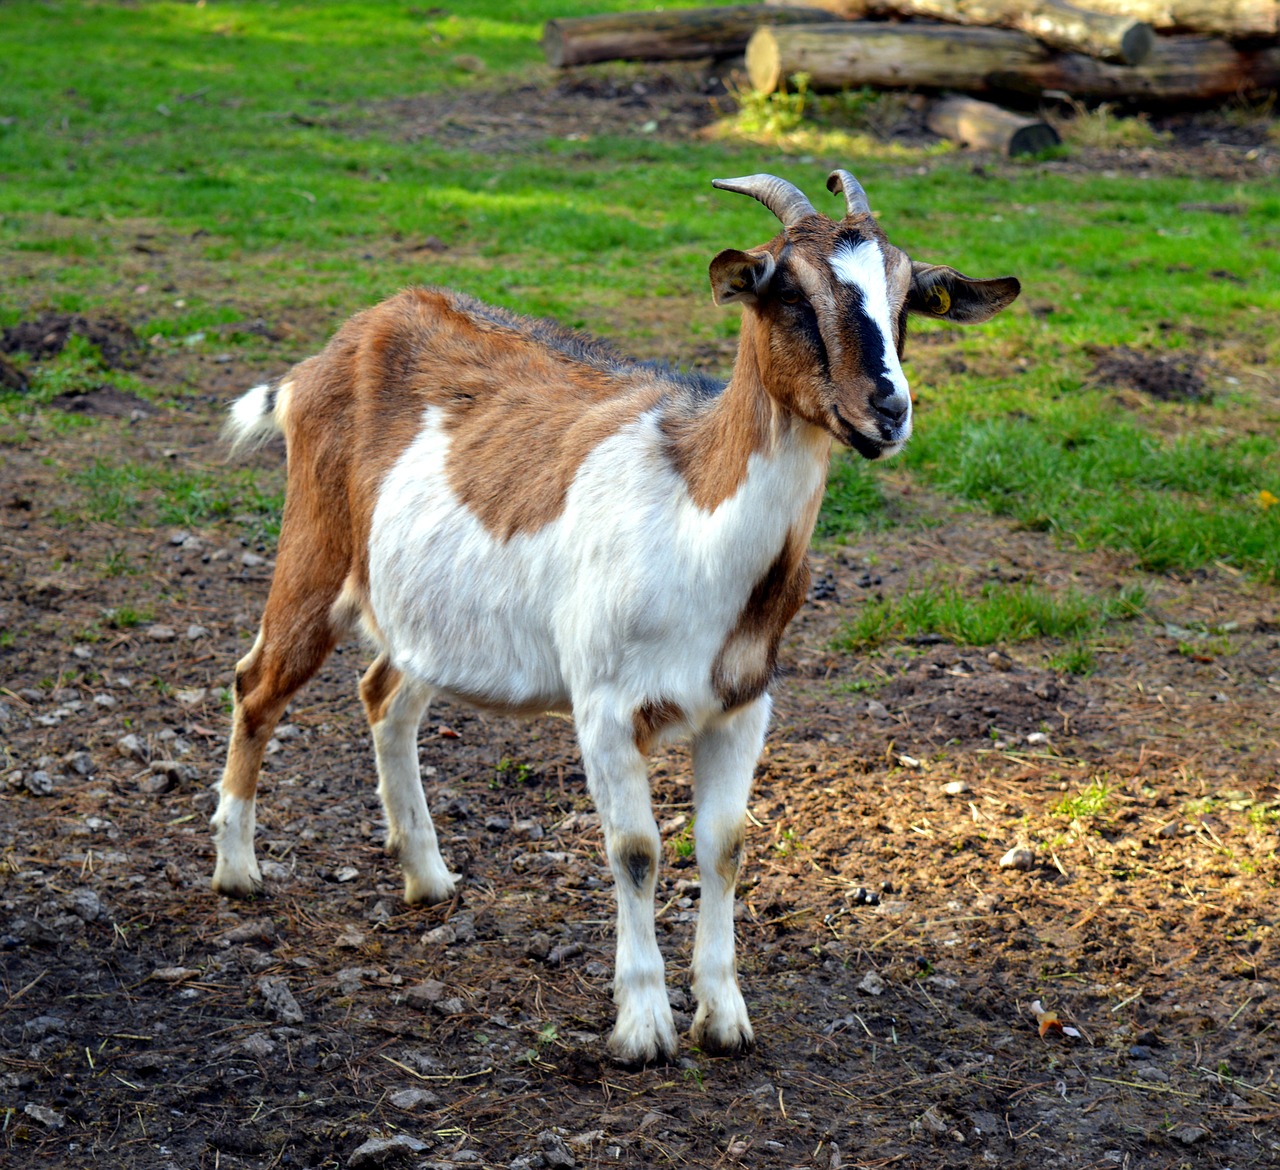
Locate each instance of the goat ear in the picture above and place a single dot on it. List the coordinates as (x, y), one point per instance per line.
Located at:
(740, 276)
(943, 293)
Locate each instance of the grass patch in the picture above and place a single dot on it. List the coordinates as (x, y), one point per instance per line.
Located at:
(854, 501)
(1077, 469)
(135, 493)
(1000, 613)
(1094, 801)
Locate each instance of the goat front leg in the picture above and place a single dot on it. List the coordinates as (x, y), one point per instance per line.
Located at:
(618, 778)
(724, 759)
(395, 706)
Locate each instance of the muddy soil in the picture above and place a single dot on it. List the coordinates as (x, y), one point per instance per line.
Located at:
(1108, 996)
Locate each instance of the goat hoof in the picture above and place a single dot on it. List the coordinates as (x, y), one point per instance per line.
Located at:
(430, 890)
(720, 1036)
(649, 1044)
(237, 885)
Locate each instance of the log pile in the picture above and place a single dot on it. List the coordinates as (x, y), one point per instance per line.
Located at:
(1142, 52)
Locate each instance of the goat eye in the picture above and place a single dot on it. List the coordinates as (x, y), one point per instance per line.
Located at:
(789, 296)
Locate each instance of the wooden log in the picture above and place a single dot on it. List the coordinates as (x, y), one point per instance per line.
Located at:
(1232, 19)
(983, 126)
(842, 55)
(676, 35)
(1060, 25)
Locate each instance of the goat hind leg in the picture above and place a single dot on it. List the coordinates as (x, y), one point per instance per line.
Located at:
(724, 759)
(291, 645)
(395, 706)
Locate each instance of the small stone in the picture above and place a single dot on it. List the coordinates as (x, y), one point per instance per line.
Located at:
(175, 771)
(173, 974)
(955, 788)
(930, 1122)
(877, 710)
(539, 946)
(1151, 1072)
(86, 904)
(1036, 738)
(49, 1118)
(453, 1006)
(155, 784)
(378, 1152)
(252, 560)
(179, 537)
(82, 652)
(279, 999)
(38, 783)
(1019, 857)
(351, 939)
(80, 763)
(441, 936)
(554, 1152)
(871, 984)
(346, 873)
(257, 930)
(426, 993)
(195, 633)
(132, 747)
(191, 696)
(161, 633)
(1189, 1134)
(259, 1045)
(411, 1100)
(104, 700)
(563, 953)
(286, 731)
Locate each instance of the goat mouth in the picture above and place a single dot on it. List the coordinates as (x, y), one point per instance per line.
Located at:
(865, 445)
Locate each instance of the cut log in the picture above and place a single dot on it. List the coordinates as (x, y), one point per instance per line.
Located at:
(1060, 25)
(842, 55)
(983, 126)
(1233, 19)
(677, 35)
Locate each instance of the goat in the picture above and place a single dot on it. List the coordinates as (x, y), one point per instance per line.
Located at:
(520, 518)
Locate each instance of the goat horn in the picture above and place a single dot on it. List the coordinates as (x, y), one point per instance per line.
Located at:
(855, 197)
(784, 199)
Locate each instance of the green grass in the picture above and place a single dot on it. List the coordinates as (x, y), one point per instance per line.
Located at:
(1080, 468)
(156, 493)
(1000, 613)
(854, 501)
(192, 168)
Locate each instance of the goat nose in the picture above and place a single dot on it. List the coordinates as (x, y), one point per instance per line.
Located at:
(892, 407)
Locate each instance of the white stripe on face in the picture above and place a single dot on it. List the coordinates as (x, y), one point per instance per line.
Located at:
(861, 266)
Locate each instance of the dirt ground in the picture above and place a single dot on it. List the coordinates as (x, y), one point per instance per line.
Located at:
(903, 983)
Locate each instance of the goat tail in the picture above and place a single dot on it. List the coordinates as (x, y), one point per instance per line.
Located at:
(256, 416)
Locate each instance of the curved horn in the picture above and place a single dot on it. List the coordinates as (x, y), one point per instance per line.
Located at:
(855, 197)
(785, 200)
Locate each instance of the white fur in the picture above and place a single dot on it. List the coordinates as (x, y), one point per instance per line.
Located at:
(626, 597)
(236, 871)
(862, 267)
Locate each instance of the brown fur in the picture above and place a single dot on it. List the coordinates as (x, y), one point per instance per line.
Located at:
(378, 687)
(637, 857)
(748, 657)
(651, 719)
(730, 859)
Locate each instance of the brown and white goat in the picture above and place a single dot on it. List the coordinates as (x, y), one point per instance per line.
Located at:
(516, 516)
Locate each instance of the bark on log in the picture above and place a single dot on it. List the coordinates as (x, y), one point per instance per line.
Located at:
(1233, 19)
(840, 55)
(983, 126)
(1057, 23)
(663, 36)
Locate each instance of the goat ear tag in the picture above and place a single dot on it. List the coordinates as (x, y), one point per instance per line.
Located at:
(939, 300)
